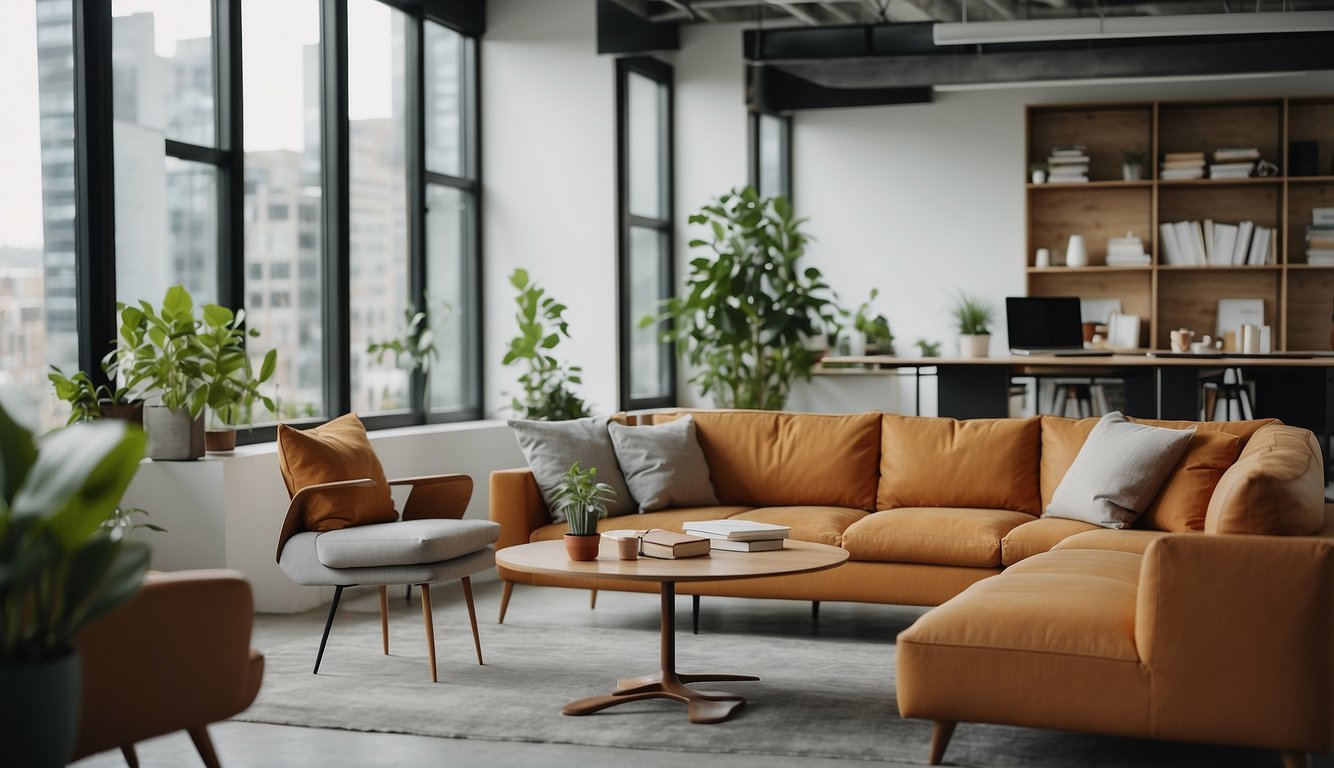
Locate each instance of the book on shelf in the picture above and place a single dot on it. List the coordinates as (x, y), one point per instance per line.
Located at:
(1167, 234)
(1182, 174)
(1068, 150)
(1170, 165)
(759, 545)
(1322, 215)
(1243, 244)
(1236, 154)
(1126, 251)
(1320, 257)
(1216, 243)
(1177, 157)
(1261, 243)
(1224, 244)
(737, 530)
(670, 545)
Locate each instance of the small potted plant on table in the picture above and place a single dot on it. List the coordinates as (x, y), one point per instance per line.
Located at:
(582, 501)
(974, 316)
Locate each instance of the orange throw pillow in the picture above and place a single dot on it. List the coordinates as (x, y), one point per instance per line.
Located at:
(1183, 502)
(338, 450)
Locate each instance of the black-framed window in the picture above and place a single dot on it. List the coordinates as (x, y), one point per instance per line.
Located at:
(771, 154)
(179, 174)
(645, 218)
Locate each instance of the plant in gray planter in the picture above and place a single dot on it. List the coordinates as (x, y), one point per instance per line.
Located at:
(61, 567)
(161, 355)
(228, 375)
(583, 502)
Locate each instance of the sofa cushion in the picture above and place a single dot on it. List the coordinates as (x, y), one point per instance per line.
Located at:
(822, 525)
(1038, 536)
(1277, 486)
(336, 450)
(668, 519)
(767, 458)
(1062, 438)
(1182, 503)
(1132, 541)
(663, 465)
(933, 535)
(550, 447)
(411, 542)
(939, 462)
(1118, 472)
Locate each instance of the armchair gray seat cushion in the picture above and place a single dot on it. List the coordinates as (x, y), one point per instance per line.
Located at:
(410, 542)
(301, 563)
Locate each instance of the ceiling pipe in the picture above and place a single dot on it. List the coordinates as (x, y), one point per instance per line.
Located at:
(1048, 30)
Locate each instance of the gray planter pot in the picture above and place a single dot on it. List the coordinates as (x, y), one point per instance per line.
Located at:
(39, 712)
(173, 435)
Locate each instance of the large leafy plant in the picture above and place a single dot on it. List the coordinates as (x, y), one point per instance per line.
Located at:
(749, 306)
(232, 385)
(160, 352)
(416, 345)
(582, 499)
(546, 381)
(61, 565)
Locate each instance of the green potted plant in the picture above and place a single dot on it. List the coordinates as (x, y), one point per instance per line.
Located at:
(546, 381)
(974, 316)
(582, 501)
(873, 327)
(1133, 162)
(749, 305)
(160, 354)
(417, 345)
(89, 401)
(928, 348)
(61, 567)
(228, 376)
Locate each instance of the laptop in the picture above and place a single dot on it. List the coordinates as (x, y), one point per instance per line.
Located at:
(1047, 325)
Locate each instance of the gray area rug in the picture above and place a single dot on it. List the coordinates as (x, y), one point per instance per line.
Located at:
(819, 696)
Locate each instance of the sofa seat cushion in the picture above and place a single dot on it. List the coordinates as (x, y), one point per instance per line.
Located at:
(933, 535)
(822, 525)
(411, 542)
(1038, 536)
(1072, 603)
(667, 519)
(1132, 541)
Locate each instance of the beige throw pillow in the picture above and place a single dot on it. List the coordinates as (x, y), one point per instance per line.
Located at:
(550, 447)
(1118, 472)
(664, 465)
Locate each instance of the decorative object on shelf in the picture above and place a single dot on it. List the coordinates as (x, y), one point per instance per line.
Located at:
(1069, 164)
(1127, 251)
(1123, 331)
(1181, 339)
(1076, 253)
(61, 567)
(1042, 259)
(1235, 313)
(546, 382)
(1303, 158)
(416, 344)
(932, 348)
(583, 502)
(1133, 162)
(748, 304)
(974, 316)
(1250, 339)
(1037, 173)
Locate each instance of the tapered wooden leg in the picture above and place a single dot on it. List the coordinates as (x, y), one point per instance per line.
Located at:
(505, 601)
(384, 617)
(472, 615)
(940, 739)
(592, 599)
(204, 745)
(430, 628)
(131, 758)
(1296, 760)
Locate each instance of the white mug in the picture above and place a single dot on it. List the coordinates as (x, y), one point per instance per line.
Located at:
(1076, 255)
(1043, 258)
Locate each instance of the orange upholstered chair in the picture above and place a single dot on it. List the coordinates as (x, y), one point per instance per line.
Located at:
(175, 657)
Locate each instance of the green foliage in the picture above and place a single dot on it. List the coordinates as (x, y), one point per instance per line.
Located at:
(123, 520)
(875, 327)
(225, 368)
(1135, 157)
(80, 392)
(974, 315)
(582, 500)
(417, 344)
(545, 380)
(61, 565)
(748, 305)
(928, 348)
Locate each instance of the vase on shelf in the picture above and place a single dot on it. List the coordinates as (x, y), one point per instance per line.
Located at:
(1076, 254)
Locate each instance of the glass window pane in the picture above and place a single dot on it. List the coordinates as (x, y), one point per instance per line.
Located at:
(773, 156)
(166, 223)
(379, 216)
(448, 241)
(37, 267)
(162, 68)
(282, 196)
(444, 100)
(648, 364)
(644, 115)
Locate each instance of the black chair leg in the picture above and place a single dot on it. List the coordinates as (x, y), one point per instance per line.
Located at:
(407, 595)
(328, 624)
(694, 613)
(815, 611)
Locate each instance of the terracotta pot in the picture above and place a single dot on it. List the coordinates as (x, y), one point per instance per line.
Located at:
(220, 440)
(582, 546)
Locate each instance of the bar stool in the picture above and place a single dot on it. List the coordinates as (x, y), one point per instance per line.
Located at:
(1067, 394)
(1226, 391)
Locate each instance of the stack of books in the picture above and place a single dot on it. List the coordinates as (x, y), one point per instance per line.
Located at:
(670, 545)
(1182, 165)
(1069, 163)
(1126, 251)
(1320, 238)
(1233, 162)
(740, 535)
(1211, 243)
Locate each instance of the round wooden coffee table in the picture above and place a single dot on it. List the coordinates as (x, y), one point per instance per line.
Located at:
(703, 706)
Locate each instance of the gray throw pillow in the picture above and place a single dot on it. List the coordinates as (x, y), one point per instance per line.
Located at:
(664, 465)
(1118, 472)
(550, 447)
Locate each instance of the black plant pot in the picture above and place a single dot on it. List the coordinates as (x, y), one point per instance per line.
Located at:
(39, 712)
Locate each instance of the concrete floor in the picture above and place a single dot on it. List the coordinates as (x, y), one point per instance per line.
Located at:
(254, 744)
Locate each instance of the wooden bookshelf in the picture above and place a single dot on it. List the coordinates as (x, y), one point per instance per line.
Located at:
(1297, 295)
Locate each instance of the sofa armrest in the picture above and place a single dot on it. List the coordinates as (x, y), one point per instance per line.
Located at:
(516, 503)
(1237, 633)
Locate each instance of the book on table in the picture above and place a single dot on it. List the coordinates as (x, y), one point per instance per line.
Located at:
(757, 545)
(737, 530)
(670, 545)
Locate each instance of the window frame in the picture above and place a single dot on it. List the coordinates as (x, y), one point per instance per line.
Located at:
(662, 74)
(754, 161)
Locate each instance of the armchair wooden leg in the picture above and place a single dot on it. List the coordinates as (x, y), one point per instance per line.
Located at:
(505, 601)
(430, 628)
(328, 623)
(384, 617)
(131, 758)
(940, 739)
(472, 615)
(592, 599)
(1296, 760)
(204, 745)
